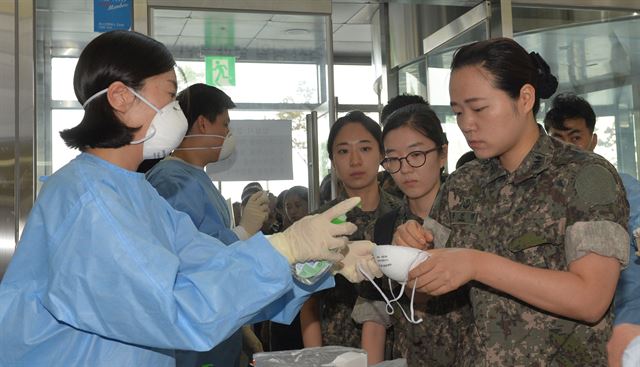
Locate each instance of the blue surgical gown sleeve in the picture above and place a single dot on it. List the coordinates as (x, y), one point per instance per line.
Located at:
(627, 297)
(108, 272)
(189, 190)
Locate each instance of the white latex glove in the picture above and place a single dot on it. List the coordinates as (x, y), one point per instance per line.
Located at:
(358, 254)
(255, 212)
(314, 236)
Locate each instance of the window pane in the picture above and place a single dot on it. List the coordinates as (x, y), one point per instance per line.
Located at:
(62, 70)
(354, 84)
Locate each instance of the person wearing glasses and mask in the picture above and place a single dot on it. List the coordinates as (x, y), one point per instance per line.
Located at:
(106, 272)
(182, 181)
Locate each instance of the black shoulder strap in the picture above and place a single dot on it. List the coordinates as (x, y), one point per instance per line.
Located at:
(384, 226)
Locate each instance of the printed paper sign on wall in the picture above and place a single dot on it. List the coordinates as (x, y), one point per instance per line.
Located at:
(263, 152)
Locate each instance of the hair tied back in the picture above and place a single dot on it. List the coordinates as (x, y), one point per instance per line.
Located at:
(547, 82)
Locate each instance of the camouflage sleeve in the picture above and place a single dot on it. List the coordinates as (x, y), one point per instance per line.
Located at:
(440, 215)
(597, 214)
(370, 310)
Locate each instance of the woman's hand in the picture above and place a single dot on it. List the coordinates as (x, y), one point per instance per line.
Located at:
(411, 234)
(444, 271)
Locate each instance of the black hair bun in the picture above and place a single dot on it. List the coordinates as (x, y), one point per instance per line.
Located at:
(547, 82)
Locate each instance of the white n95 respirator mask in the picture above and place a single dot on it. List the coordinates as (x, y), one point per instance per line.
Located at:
(226, 149)
(396, 262)
(166, 131)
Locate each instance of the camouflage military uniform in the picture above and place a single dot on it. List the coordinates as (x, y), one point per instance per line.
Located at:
(560, 204)
(336, 304)
(438, 340)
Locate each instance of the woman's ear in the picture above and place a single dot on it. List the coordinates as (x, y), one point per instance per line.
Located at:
(527, 98)
(444, 154)
(120, 97)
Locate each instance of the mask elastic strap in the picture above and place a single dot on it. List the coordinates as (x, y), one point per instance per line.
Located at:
(413, 293)
(150, 133)
(198, 148)
(396, 298)
(389, 307)
(202, 135)
(411, 319)
(84, 105)
(144, 100)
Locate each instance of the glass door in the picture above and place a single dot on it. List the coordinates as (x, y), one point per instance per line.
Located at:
(275, 67)
(429, 75)
(594, 54)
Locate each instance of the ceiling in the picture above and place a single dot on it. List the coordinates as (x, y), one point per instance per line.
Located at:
(66, 25)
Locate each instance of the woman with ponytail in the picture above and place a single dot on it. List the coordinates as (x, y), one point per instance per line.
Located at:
(537, 227)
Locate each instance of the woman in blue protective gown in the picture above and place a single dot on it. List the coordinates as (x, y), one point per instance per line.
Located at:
(107, 273)
(182, 181)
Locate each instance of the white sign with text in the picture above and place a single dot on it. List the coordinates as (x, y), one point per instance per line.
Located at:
(263, 152)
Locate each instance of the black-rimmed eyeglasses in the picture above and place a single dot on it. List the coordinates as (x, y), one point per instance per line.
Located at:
(415, 159)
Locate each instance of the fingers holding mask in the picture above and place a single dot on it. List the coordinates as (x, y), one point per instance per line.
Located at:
(358, 256)
(446, 270)
(411, 234)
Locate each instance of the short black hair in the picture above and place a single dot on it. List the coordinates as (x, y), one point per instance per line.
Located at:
(124, 56)
(280, 199)
(299, 191)
(355, 117)
(203, 100)
(569, 106)
(399, 102)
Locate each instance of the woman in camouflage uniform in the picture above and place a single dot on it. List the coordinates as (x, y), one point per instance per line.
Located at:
(355, 150)
(537, 226)
(415, 155)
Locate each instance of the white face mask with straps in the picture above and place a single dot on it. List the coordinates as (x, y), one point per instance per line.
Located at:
(396, 262)
(226, 149)
(166, 130)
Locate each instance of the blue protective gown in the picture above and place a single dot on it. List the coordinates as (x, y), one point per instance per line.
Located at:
(627, 298)
(189, 189)
(107, 273)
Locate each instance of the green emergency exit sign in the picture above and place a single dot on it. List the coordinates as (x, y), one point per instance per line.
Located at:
(220, 70)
